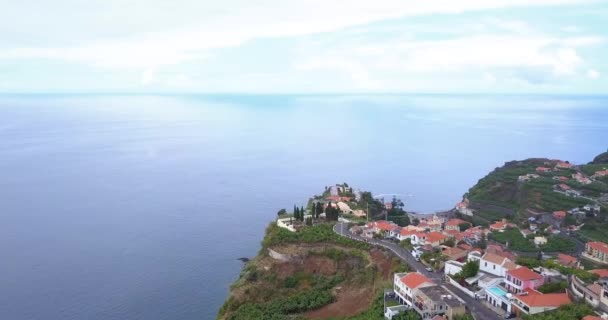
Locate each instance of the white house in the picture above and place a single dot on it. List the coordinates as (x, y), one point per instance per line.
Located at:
(495, 264)
(405, 283)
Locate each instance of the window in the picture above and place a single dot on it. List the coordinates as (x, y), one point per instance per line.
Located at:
(486, 264)
(494, 267)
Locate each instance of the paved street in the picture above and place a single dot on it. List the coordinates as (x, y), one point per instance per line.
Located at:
(480, 311)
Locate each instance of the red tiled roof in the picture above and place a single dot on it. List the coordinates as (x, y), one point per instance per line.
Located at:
(544, 300)
(414, 280)
(595, 288)
(564, 186)
(566, 259)
(559, 214)
(524, 274)
(563, 164)
(592, 318)
(465, 246)
(602, 173)
(600, 272)
(599, 246)
(454, 222)
(407, 232)
(435, 236)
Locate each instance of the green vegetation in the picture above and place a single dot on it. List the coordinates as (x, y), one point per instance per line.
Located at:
(469, 269)
(397, 214)
(553, 287)
(584, 275)
(515, 239)
(464, 317)
(530, 262)
(314, 234)
(282, 212)
(574, 311)
(600, 159)
(407, 315)
(407, 243)
(594, 231)
(517, 242)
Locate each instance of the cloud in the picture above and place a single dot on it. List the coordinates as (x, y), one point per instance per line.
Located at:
(593, 74)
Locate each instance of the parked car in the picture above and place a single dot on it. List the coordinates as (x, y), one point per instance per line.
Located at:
(509, 315)
(429, 269)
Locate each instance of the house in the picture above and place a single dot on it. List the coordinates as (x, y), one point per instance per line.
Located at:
(498, 250)
(561, 178)
(463, 208)
(526, 232)
(432, 224)
(495, 264)
(435, 238)
(543, 169)
(474, 256)
(539, 241)
(593, 318)
(592, 208)
(563, 165)
(498, 297)
(564, 186)
(499, 225)
(405, 233)
(405, 283)
(596, 251)
(533, 226)
(383, 227)
(559, 214)
(527, 177)
(454, 224)
(533, 302)
(519, 279)
(581, 178)
(567, 260)
(602, 273)
(601, 173)
(453, 253)
(431, 301)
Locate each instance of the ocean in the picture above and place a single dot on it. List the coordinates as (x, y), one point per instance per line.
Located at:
(137, 207)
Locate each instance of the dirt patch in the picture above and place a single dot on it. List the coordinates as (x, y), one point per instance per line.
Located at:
(318, 264)
(383, 262)
(350, 301)
(285, 269)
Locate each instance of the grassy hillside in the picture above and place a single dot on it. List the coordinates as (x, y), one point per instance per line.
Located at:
(600, 159)
(327, 276)
(500, 194)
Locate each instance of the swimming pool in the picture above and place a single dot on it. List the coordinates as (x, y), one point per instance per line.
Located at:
(499, 292)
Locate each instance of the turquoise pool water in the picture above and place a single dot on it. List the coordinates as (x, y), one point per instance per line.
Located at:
(497, 291)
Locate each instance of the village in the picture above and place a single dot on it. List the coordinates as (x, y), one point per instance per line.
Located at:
(502, 270)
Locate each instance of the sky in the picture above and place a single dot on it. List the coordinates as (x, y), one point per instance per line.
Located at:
(312, 46)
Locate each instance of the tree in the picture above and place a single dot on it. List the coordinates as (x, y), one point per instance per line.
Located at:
(470, 269)
(482, 241)
(450, 242)
(416, 221)
(295, 213)
(463, 226)
(282, 212)
(569, 220)
(319, 209)
(302, 212)
(309, 221)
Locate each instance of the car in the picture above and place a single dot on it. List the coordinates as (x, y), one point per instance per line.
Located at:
(417, 259)
(509, 315)
(429, 269)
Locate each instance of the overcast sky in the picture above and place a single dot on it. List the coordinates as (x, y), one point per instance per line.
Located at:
(312, 46)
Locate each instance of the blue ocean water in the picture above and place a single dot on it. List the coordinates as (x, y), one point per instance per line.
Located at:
(137, 207)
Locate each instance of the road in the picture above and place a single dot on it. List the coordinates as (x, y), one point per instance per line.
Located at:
(476, 307)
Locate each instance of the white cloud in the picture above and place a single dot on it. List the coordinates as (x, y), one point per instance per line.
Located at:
(593, 74)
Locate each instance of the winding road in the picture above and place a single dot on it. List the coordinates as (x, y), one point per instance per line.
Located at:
(479, 310)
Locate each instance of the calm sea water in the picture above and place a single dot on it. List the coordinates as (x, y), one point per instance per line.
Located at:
(137, 207)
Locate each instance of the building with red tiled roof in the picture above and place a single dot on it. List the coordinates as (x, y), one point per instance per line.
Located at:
(454, 224)
(534, 302)
(596, 251)
(602, 273)
(404, 285)
(543, 169)
(522, 278)
(453, 253)
(564, 186)
(601, 173)
(567, 260)
(559, 214)
(563, 165)
(495, 264)
(435, 238)
(499, 225)
(592, 318)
